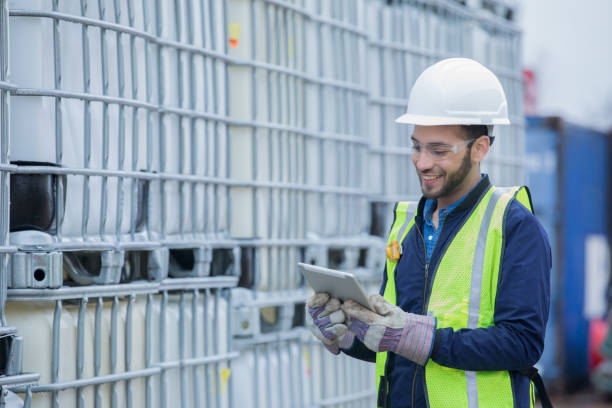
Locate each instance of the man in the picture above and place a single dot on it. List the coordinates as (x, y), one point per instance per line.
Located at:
(465, 291)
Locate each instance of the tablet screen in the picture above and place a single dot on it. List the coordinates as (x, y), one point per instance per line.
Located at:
(338, 284)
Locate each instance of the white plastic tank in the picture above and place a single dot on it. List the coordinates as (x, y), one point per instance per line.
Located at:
(34, 321)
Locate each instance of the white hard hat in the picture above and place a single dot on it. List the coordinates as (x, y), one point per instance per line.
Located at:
(456, 91)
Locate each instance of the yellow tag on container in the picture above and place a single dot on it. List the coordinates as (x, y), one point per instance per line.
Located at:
(234, 34)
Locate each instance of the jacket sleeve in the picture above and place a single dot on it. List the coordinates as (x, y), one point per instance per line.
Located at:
(358, 349)
(516, 340)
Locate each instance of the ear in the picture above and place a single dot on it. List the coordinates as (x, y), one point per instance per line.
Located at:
(480, 148)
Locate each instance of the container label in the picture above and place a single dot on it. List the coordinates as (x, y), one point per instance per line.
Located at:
(596, 270)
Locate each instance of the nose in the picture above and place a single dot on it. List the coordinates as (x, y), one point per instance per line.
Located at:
(422, 161)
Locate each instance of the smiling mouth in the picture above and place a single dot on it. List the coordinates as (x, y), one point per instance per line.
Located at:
(430, 179)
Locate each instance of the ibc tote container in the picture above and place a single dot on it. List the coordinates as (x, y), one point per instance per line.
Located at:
(115, 104)
(574, 202)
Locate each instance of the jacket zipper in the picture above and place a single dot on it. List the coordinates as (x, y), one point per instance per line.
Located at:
(424, 294)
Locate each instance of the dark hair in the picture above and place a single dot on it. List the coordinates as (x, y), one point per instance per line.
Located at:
(473, 132)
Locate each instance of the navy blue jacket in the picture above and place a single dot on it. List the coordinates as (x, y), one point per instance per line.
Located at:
(521, 308)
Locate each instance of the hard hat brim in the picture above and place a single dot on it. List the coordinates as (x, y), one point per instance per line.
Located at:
(423, 120)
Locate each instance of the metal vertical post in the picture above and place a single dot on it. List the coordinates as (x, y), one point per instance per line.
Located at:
(57, 322)
(255, 377)
(148, 348)
(216, 341)
(4, 146)
(149, 97)
(268, 377)
(182, 162)
(226, 113)
(135, 129)
(322, 166)
(161, 146)
(281, 383)
(98, 350)
(121, 147)
(128, 349)
(86, 122)
(229, 346)
(113, 350)
(207, 332)
(254, 113)
(278, 137)
(105, 123)
(301, 396)
(59, 197)
(81, 350)
(290, 377)
(182, 347)
(162, 347)
(192, 124)
(194, 346)
(215, 109)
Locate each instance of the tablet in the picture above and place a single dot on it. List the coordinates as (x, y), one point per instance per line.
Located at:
(338, 284)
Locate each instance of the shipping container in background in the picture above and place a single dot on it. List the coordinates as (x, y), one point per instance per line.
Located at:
(164, 165)
(569, 176)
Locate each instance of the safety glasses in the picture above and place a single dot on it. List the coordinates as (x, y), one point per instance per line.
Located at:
(438, 151)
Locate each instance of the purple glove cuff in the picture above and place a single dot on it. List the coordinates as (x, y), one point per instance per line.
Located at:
(416, 338)
(414, 341)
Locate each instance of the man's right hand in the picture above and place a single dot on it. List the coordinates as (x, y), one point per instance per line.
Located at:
(326, 321)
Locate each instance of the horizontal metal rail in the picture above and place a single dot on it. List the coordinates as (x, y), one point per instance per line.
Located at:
(387, 198)
(124, 289)
(346, 398)
(7, 331)
(188, 243)
(7, 86)
(198, 361)
(319, 19)
(394, 150)
(189, 178)
(78, 292)
(293, 334)
(266, 299)
(396, 46)
(212, 282)
(28, 378)
(191, 48)
(8, 249)
(84, 382)
(322, 135)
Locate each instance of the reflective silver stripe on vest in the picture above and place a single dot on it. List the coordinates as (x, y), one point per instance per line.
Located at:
(410, 209)
(476, 285)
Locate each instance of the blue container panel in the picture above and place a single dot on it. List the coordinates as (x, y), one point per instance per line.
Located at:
(585, 171)
(541, 156)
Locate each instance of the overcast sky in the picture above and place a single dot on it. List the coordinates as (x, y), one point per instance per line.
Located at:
(568, 45)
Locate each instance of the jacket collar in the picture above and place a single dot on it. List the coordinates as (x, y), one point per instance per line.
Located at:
(469, 202)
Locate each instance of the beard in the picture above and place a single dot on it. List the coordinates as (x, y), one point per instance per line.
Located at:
(454, 180)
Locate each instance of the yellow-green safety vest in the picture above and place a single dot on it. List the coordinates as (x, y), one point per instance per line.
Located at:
(462, 296)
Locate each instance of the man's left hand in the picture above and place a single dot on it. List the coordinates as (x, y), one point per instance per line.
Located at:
(389, 328)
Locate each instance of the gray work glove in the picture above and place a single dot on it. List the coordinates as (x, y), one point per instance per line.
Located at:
(326, 321)
(389, 328)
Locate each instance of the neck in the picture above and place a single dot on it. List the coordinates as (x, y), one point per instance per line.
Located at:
(469, 182)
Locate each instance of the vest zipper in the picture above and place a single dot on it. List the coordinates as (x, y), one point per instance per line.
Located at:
(424, 294)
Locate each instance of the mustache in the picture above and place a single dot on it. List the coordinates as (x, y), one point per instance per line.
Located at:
(431, 173)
